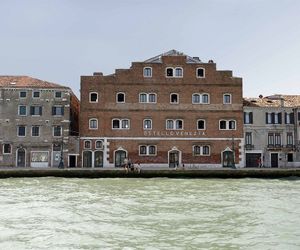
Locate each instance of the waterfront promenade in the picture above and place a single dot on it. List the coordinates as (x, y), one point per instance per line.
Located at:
(150, 173)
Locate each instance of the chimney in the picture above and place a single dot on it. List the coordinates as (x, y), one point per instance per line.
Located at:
(98, 74)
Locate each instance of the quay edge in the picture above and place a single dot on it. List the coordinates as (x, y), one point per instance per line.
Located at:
(120, 173)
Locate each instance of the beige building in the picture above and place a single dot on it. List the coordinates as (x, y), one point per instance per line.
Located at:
(271, 131)
(38, 123)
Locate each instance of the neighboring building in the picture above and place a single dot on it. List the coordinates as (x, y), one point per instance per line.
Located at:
(36, 117)
(167, 111)
(271, 130)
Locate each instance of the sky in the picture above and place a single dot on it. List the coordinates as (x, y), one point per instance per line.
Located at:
(60, 40)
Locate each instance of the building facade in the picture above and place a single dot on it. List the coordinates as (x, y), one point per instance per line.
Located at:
(272, 131)
(38, 123)
(170, 110)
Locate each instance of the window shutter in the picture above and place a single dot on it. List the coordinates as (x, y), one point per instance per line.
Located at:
(285, 117)
(266, 118)
(31, 110)
(251, 117)
(273, 118)
(62, 110)
(53, 110)
(40, 110)
(279, 118)
(244, 117)
(292, 120)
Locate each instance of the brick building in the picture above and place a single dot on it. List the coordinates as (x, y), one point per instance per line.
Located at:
(167, 111)
(38, 123)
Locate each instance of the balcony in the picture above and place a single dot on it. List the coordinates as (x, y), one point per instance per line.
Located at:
(249, 147)
(275, 146)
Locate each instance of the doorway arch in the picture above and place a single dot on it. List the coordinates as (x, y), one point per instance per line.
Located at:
(98, 159)
(174, 158)
(120, 156)
(21, 157)
(228, 158)
(87, 159)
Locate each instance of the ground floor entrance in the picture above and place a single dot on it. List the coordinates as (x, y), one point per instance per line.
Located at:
(120, 158)
(174, 157)
(252, 160)
(21, 157)
(274, 160)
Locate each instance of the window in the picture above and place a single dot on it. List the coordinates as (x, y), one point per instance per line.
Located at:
(87, 144)
(200, 72)
(201, 124)
(277, 139)
(147, 124)
(58, 110)
(248, 118)
(227, 124)
(120, 97)
(6, 148)
(198, 98)
(35, 131)
(93, 123)
(169, 72)
(248, 138)
(273, 118)
(274, 139)
(289, 118)
(174, 124)
(57, 131)
(22, 110)
(178, 72)
(271, 139)
(120, 124)
(21, 131)
(289, 139)
(23, 94)
(147, 98)
(93, 97)
(36, 94)
(36, 110)
(227, 99)
(58, 94)
(147, 150)
(199, 150)
(174, 98)
(147, 72)
(99, 144)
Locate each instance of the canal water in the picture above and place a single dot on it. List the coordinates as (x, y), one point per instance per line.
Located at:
(58, 213)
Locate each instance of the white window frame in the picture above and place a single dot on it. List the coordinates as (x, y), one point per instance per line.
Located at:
(101, 144)
(203, 72)
(120, 123)
(204, 124)
(230, 96)
(167, 71)
(90, 95)
(147, 97)
(147, 150)
(20, 94)
(85, 142)
(201, 150)
(147, 119)
(227, 124)
(39, 130)
(174, 124)
(4, 147)
(150, 72)
(60, 131)
(201, 98)
(177, 98)
(18, 131)
(96, 123)
(25, 110)
(119, 94)
(175, 72)
(35, 91)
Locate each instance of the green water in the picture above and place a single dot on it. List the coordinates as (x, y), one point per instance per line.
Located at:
(57, 213)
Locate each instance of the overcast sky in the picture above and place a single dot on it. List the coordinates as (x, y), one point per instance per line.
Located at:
(60, 40)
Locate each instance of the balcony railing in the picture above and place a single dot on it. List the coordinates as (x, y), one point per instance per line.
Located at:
(249, 147)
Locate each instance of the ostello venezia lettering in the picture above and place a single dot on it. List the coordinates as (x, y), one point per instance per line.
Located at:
(174, 133)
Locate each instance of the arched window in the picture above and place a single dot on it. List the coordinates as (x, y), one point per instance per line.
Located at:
(196, 98)
(147, 72)
(120, 97)
(169, 72)
(205, 98)
(87, 144)
(197, 150)
(201, 124)
(174, 98)
(200, 72)
(93, 123)
(147, 124)
(93, 97)
(178, 72)
(205, 150)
